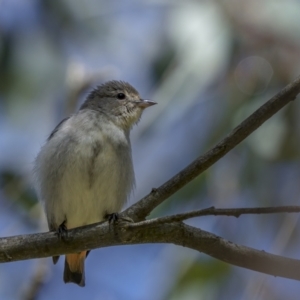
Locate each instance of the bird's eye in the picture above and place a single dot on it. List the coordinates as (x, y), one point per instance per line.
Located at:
(121, 96)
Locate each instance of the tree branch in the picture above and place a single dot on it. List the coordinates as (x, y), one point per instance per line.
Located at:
(104, 235)
(141, 209)
(232, 212)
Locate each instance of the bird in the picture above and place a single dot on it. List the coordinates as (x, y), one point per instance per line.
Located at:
(84, 171)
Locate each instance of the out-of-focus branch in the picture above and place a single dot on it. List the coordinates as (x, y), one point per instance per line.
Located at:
(141, 209)
(32, 290)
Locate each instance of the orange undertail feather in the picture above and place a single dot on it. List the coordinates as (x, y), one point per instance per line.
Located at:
(74, 268)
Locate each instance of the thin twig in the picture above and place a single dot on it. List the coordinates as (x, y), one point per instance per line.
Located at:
(231, 212)
(141, 209)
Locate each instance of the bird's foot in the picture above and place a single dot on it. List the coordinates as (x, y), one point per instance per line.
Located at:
(115, 218)
(62, 231)
(112, 218)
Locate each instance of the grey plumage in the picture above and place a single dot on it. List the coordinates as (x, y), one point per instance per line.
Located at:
(85, 171)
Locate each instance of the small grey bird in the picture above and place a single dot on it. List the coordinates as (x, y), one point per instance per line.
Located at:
(84, 171)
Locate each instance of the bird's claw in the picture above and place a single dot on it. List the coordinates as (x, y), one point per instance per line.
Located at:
(115, 218)
(62, 231)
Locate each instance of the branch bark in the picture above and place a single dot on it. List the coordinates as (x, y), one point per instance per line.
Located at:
(104, 235)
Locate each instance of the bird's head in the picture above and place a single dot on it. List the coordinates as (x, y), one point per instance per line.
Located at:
(118, 100)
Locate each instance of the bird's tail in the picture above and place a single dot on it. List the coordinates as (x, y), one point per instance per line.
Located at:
(74, 268)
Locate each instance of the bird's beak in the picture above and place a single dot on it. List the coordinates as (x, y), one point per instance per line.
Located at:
(145, 103)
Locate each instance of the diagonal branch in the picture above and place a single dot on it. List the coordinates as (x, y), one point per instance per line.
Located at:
(141, 209)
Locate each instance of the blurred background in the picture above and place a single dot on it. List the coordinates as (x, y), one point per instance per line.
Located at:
(208, 64)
